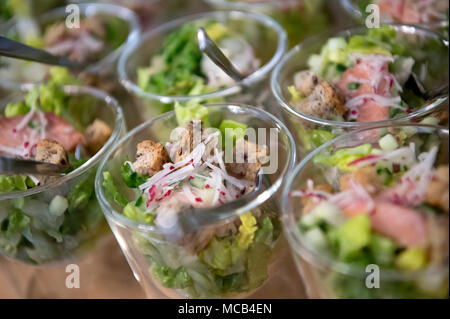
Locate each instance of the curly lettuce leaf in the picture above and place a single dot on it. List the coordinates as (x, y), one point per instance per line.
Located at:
(344, 156)
(111, 189)
(131, 178)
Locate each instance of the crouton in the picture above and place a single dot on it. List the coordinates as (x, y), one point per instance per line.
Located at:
(437, 193)
(438, 231)
(150, 158)
(189, 139)
(366, 176)
(96, 135)
(321, 99)
(50, 151)
(309, 203)
(247, 160)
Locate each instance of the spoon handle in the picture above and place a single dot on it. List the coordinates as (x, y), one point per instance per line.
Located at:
(21, 51)
(210, 48)
(9, 165)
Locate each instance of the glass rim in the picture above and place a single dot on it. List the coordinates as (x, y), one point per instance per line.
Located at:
(255, 77)
(92, 9)
(119, 126)
(353, 10)
(242, 5)
(237, 207)
(312, 256)
(277, 90)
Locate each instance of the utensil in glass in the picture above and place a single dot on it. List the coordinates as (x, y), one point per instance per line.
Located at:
(146, 247)
(324, 275)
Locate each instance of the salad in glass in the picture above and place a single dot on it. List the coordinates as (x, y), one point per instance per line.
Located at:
(374, 201)
(432, 14)
(361, 77)
(47, 219)
(300, 18)
(192, 219)
(103, 31)
(167, 66)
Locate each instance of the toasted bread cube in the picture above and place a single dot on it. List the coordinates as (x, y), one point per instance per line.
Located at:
(150, 158)
(309, 203)
(189, 139)
(366, 176)
(321, 99)
(96, 135)
(50, 151)
(437, 192)
(247, 160)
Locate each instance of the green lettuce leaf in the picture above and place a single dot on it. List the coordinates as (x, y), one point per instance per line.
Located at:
(344, 156)
(110, 187)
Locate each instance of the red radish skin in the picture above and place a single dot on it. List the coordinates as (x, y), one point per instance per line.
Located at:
(56, 129)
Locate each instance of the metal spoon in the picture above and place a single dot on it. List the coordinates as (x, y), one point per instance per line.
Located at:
(190, 221)
(21, 51)
(418, 88)
(11, 166)
(210, 48)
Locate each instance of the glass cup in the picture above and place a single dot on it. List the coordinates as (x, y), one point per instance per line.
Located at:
(14, 72)
(156, 257)
(300, 18)
(426, 47)
(326, 277)
(265, 35)
(53, 237)
(356, 12)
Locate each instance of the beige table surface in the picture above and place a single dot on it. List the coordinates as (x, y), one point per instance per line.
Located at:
(106, 274)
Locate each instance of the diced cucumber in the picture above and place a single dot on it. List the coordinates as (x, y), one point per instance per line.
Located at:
(206, 195)
(325, 211)
(353, 236)
(329, 213)
(317, 238)
(309, 220)
(383, 249)
(58, 205)
(430, 121)
(388, 143)
(198, 182)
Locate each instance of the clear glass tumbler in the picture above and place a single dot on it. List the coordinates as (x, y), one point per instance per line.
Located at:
(300, 18)
(155, 258)
(14, 72)
(324, 275)
(356, 9)
(265, 35)
(428, 49)
(42, 242)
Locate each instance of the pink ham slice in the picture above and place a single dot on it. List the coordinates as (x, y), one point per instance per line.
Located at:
(404, 225)
(56, 129)
(364, 74)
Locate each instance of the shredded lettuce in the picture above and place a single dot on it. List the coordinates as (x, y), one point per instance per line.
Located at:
(246, 230)
(131, 178)
(172, 278)
(11, 183)
(344, 156)
(187, 113)
(135, 213)
(110, 187)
